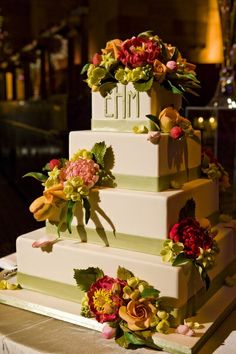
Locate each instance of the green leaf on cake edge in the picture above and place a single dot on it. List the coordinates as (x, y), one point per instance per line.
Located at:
(86, 277)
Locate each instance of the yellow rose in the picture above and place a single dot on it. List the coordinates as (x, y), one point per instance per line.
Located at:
(159, 70)
(49, 205)
(113, 46)
(169, 117)
(138, 314)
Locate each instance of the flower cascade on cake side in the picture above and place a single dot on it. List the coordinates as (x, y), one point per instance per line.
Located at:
(191, 241)
(214, 170)
(67, 182)
(130, 308)
(169, 121)
(141, 60)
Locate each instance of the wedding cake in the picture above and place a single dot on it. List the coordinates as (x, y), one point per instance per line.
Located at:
(129, 214)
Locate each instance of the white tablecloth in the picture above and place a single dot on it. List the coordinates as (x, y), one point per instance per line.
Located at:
(23, 332)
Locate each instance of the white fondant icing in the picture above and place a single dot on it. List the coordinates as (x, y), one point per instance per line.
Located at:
(126, 104)
(180, 283)
(135, 156)
(148, 214)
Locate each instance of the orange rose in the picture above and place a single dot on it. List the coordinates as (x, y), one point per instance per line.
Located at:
(159, 70)
(49, 205)
(169, 117)
(113, 46)
(138, 314)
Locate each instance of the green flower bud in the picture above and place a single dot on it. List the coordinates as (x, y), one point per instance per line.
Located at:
(133, 282)
(163, 326)
(163, 315)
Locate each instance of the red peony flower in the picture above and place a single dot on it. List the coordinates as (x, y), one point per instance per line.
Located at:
(105, 298)
(192, 235)
(138, 51)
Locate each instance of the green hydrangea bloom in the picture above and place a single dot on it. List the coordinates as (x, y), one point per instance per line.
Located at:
(75, 189)
(53, 178)
(82, 153)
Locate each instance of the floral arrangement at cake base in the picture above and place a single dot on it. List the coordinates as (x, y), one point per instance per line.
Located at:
(141, 60)
(130, 308)
(67, 182)
(191, 241)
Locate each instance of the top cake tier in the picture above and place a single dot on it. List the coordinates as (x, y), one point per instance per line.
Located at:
(125, 107)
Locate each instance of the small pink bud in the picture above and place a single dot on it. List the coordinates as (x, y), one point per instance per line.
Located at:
(176, 132)
(53, 163)
(185, 330)
(108, 332)
(154, 137)
(97, 58)
(171, 65)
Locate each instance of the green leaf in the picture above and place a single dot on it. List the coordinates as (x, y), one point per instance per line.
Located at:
(143, 86)
(137, 340)
(150, 292)
(122, 341)
(86, 277)
(124, 274)
(203, 273)
(181, 259)
(37, 175)
(99, 151)
(154, 119)
(145, 34)
(85, 68)
(87, 209)
(106, 88)
(69, 214)
(188, 210)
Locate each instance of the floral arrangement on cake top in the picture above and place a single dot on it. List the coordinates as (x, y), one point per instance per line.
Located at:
(191, 241)
(169, 121)
(130, 308)
(67, 182)
(213, 169)
(141, 60)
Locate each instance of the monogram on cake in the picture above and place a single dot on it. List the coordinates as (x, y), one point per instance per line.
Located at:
(128, 211)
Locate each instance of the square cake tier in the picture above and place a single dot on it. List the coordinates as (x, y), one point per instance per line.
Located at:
(138, 220)
(140, 165)
(125, 107)
(52, 272)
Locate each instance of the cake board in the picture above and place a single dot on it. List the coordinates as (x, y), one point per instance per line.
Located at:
(210, 316)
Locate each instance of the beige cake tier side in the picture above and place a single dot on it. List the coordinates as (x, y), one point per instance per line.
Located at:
(52, 272)
(126, 219)
(140, 165)
(125, 107)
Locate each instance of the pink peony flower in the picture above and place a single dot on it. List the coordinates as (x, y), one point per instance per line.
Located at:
(138, 51)
(97, 58)
(176, 132)
(87, 170)
(105, 298)
(53, 163)
(192, 235)
(108, 332)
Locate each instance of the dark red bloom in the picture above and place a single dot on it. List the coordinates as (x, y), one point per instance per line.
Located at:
(192, 235)
(138, 51)
(105, 298)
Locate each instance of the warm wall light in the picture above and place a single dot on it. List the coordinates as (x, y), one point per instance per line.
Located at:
(9, 85)
(200, 120)
(212, 51)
